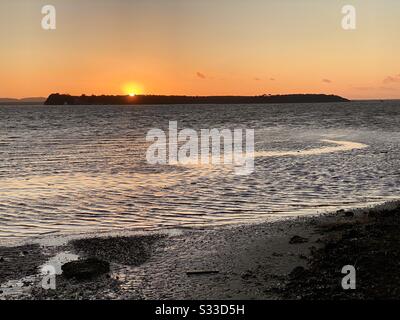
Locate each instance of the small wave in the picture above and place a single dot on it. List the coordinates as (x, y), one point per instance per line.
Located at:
(341, 146)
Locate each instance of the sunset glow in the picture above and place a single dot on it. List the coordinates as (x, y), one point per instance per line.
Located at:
(200, 48)
(132, 89)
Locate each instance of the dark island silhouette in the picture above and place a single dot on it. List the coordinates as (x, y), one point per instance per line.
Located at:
(66, 99)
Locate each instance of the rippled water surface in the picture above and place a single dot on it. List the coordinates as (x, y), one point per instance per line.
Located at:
(68, 169)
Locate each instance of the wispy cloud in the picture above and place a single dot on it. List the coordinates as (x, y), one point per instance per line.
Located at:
(392, 79)
(364, 88)
(326, 80)
(386, 88)
(382, 88)
(201, 75)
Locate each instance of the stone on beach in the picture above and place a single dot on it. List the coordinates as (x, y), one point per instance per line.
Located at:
(297, 272)
(132, 251)
(297, 239)
(85, 269)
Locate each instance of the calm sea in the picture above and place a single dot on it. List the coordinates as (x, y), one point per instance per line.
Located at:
(75, 169)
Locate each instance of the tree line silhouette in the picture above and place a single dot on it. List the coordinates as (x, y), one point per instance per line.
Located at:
(66, 99)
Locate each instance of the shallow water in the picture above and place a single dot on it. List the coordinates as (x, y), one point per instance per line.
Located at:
(72, 169)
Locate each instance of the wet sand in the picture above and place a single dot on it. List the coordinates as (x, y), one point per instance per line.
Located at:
(299, 258)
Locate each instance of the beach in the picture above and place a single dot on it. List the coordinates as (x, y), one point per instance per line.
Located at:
(295, 258)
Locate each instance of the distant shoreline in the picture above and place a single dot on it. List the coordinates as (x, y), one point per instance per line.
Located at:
(22, 101)
(2, 103)
(16, 102)
(65, 99)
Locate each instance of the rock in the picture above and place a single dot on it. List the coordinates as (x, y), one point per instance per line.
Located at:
(26, 284)
(297, 239)
(351, 234)
(85, 269)
(297, 272)
(247, 275)
(349, 214)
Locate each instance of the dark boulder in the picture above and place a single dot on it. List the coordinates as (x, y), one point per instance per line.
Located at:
(298, 272)
(297, 239)
(85, 269)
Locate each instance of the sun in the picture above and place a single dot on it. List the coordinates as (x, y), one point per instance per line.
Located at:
(132, 89)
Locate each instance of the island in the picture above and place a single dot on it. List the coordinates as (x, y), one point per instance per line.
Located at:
(66, 99)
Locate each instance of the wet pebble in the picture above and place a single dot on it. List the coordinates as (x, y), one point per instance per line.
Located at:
(297, 239)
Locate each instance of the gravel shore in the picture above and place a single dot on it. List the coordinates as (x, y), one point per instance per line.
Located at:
(296, 258)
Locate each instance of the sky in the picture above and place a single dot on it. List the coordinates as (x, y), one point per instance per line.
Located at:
(200, 47)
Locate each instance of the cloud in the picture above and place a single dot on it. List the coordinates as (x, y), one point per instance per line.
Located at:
(260, 79)
(374, 88)
(201, 75)
(326, 80)
(392, 79)
(364, 88)
(386, 88)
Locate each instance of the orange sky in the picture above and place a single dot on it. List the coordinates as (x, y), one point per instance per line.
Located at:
(200, 47)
